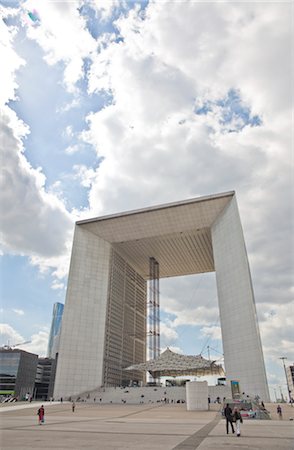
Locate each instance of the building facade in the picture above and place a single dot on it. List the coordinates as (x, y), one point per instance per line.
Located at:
(290, 380)
(18, 372)
(45, 377)
(54, 336)
(104, 323)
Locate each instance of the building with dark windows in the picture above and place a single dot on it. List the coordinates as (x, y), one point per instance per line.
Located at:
(17, 372)
(45, 377)
(54, 336)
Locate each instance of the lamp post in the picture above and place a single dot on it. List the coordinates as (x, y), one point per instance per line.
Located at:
(289, 392)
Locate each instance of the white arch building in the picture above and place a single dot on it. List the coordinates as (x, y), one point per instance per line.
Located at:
(104, 320)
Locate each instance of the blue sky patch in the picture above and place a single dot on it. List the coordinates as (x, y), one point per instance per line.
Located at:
(234, 114)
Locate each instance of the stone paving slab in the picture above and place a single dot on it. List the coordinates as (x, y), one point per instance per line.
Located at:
(135, 427)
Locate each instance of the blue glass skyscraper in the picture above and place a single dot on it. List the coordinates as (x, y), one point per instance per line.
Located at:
(55, 330)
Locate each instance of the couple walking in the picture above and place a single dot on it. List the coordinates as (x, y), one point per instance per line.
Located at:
(233, 417)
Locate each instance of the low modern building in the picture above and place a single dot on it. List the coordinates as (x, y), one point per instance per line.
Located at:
(105, 324)
(18, 372)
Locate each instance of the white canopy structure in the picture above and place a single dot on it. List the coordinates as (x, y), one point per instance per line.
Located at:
(173, 364)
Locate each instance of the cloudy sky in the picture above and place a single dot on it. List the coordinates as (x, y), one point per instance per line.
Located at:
(112, 105)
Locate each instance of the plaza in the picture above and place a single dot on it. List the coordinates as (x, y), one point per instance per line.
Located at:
(137, 427)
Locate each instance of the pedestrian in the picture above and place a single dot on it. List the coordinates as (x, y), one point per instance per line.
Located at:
(238, 419)
(41, 414)
(73, 405)
(279, 412)
(229, 418)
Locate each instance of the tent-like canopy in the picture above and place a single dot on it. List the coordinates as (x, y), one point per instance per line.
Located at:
(173, 364)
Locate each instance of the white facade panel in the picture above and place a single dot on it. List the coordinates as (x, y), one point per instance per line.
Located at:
(197, 395)
(240, 333)
(80, 360)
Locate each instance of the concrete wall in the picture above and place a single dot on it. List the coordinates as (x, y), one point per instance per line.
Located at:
(219, 391)
(135, 395)
(240, 332)
(80, 360)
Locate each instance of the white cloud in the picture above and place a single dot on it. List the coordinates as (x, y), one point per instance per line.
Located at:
(68, 132)
(36, 222)
(62, 34)
(19, 312)
(13, 62)
(37, 343)
(168, 335)
(68, 106)
(276, 326)
(151, 129)
(85, 175)
(190, 300)
(55, 285)
(71, 149)
(212, 332)
(8, 336)
(105, 8)
(196, 316)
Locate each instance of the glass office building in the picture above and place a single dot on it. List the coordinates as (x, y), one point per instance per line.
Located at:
(55, 330)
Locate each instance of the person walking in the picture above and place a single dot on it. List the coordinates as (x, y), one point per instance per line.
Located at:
(73, 405)
(279, 412)
(41, 414)
(237, 418)
(229, 418)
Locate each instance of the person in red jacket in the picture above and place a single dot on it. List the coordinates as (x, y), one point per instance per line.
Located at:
(41, 414)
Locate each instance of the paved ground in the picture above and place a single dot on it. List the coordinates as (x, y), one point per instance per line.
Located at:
(136, 427)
